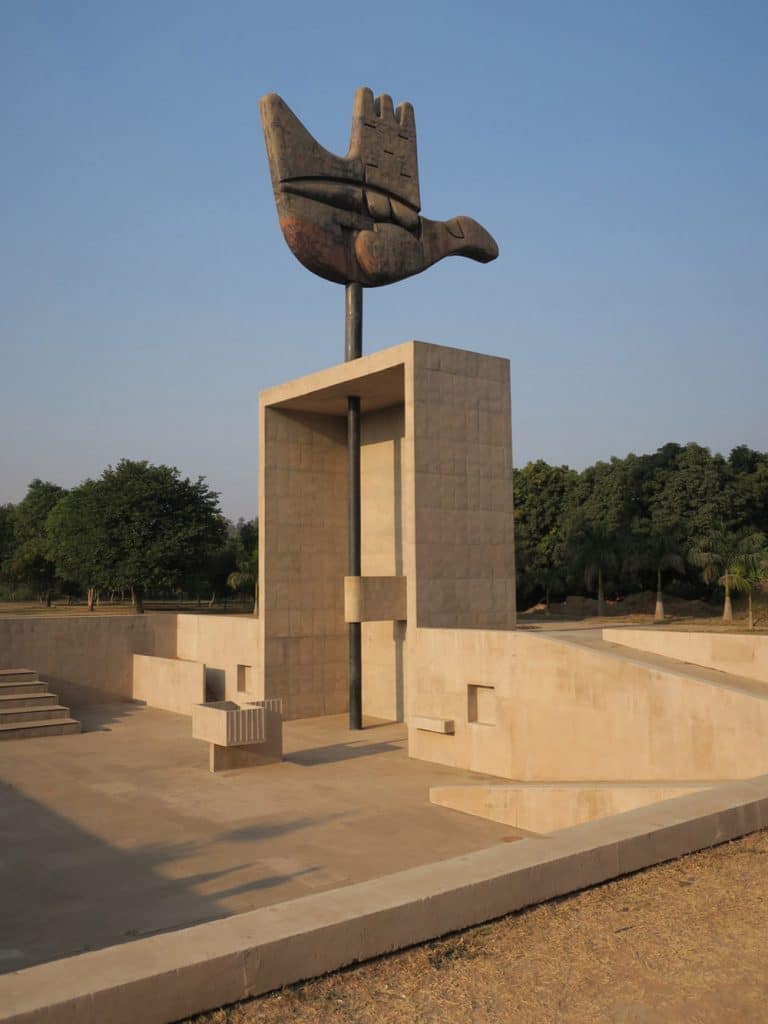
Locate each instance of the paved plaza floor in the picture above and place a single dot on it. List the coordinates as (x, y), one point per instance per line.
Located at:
(122, 832)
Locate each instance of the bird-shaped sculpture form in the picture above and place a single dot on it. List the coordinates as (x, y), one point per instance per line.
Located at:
(356, 219)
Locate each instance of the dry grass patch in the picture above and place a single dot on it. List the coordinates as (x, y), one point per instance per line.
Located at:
(684, 941)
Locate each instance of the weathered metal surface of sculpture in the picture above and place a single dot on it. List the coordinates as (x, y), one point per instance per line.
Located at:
(356, 219)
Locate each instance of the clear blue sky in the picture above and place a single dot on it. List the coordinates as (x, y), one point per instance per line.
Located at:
(618, 152)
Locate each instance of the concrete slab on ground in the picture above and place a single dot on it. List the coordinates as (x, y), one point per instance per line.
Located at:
(122, 832)
(169, 977)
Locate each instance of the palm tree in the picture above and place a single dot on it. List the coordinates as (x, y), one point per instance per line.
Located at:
(245, 582)
(660, 552)
(747, 574)
(729, 559)
(596, 551)
(245, 577)
(549, 578)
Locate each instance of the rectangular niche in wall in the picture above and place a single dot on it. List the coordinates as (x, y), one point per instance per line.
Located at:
(243, 678)
(481, 704)
(215, 683)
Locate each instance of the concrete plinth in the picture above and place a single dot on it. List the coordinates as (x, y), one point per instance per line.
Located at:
(224, 759)
(240, 735)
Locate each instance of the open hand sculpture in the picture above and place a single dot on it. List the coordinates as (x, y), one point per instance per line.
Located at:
(356, 219)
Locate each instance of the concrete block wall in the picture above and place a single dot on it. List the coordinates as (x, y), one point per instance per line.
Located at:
(386, 544)
(87, 658)
(560, 712)
(436, 478)
(302, 560)
(382, 434)
(464, 523)
(229, 647)
(170, 684)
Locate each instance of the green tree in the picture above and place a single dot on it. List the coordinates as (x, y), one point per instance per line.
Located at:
(689, 492)
(77, 538)
(603, 495)
(749, 486)
(659, 552)
(543, 496)
(549, 578)
(543, 499)
(7, 543)
(729, 559)
(245, 577)
(748, 573)
(31, 563)
(145, 528)
(595, 551)
(210, 576)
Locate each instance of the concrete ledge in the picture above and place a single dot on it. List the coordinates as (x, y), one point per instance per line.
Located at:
(446, 726)
(18, 675)
(168, 977)
(375, 598)
(170, 684)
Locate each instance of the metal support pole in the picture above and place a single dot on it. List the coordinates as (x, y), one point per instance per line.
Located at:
(353, 349)
(353, 322)
(355, 629)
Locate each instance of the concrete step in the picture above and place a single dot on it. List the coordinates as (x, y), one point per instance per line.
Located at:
(18, 675)
(10, 716)
(29, 730)
(33, 686)
(27, 700)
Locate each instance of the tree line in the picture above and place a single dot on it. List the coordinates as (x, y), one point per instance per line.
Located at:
(138, 529)
(681, 519)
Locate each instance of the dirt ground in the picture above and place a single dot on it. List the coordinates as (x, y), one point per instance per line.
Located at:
(579, 612)
(638, 610)
(60, 607)
(684, 941)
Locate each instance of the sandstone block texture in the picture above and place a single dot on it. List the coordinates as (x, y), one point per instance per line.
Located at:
(436, 479)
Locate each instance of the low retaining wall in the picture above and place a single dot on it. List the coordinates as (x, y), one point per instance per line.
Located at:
(87, 658)
(534, 708)
(229, 647)
(169, 684)
(738, 653)
(178, 974)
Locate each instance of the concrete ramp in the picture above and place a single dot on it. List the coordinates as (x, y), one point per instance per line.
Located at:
(575, 727)
(740, 655)
(548, 808)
